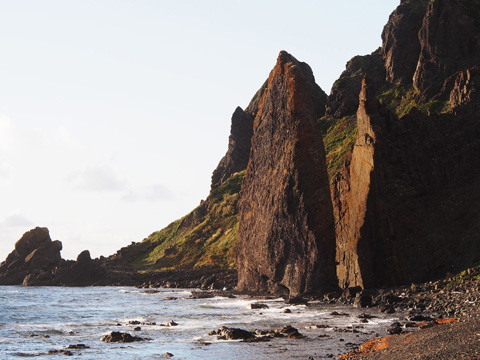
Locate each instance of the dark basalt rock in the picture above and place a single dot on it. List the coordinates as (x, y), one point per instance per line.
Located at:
(450, 42)
(286, 233)
(226, 333)
(343, 99)
(236, 158)
(401, 48)
(116, 337)
(254, 306)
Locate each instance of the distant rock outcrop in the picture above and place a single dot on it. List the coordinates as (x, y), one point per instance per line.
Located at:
(286, 238)
(34, 252)
(36, 260)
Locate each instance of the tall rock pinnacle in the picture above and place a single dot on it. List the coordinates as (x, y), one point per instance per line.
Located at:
(355, 199)
(286, 238)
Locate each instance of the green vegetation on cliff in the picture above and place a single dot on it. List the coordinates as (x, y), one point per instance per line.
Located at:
(339, 136)
(401, 99)
(205, 237)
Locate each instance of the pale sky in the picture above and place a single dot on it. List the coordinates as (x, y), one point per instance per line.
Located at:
(114, 113)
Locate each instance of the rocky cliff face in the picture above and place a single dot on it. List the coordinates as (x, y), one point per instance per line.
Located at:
(236, 158)
(401, 47)
(449, 42)
(286, 232)
(401, 198)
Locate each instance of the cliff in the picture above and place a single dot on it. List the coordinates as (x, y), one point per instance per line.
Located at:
(401, 197)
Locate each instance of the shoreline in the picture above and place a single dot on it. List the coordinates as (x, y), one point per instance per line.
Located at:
(456, 296)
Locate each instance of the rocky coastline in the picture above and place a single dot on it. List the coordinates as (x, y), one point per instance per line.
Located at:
(338, 198)
(427, 311)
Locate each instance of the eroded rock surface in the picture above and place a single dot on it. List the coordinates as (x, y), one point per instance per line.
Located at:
(286, 233)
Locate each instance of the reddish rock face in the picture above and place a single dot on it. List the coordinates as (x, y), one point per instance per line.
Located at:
(286, 238)
(355, 196)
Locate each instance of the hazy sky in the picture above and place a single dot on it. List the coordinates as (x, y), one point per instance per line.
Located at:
(114, 113)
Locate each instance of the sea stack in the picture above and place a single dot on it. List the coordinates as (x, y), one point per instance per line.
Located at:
(286, 242)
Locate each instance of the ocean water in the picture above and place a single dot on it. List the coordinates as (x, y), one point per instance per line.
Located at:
(35, 320)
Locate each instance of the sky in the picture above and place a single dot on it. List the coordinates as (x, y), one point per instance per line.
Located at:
(114, 113)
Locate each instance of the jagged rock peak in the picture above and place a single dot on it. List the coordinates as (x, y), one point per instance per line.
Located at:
(343, 99)
(236, 158)
(286, 232)
(298, 72)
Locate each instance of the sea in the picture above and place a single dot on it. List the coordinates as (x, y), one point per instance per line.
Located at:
(37, 320)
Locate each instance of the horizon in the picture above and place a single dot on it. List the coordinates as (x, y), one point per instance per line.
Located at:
(113, 115)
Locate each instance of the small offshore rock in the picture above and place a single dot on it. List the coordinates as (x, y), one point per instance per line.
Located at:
(336, 313)
(226, 333)
(172, 323)
(64, 352)
(202, 294)
(116, 337)
(365, 316)
(292, 333)
(78, 346)
(287, 311)
(168, 355)
(254, 306)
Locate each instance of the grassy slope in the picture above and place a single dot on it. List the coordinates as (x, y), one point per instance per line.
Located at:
(205, 237)
(339, 136)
